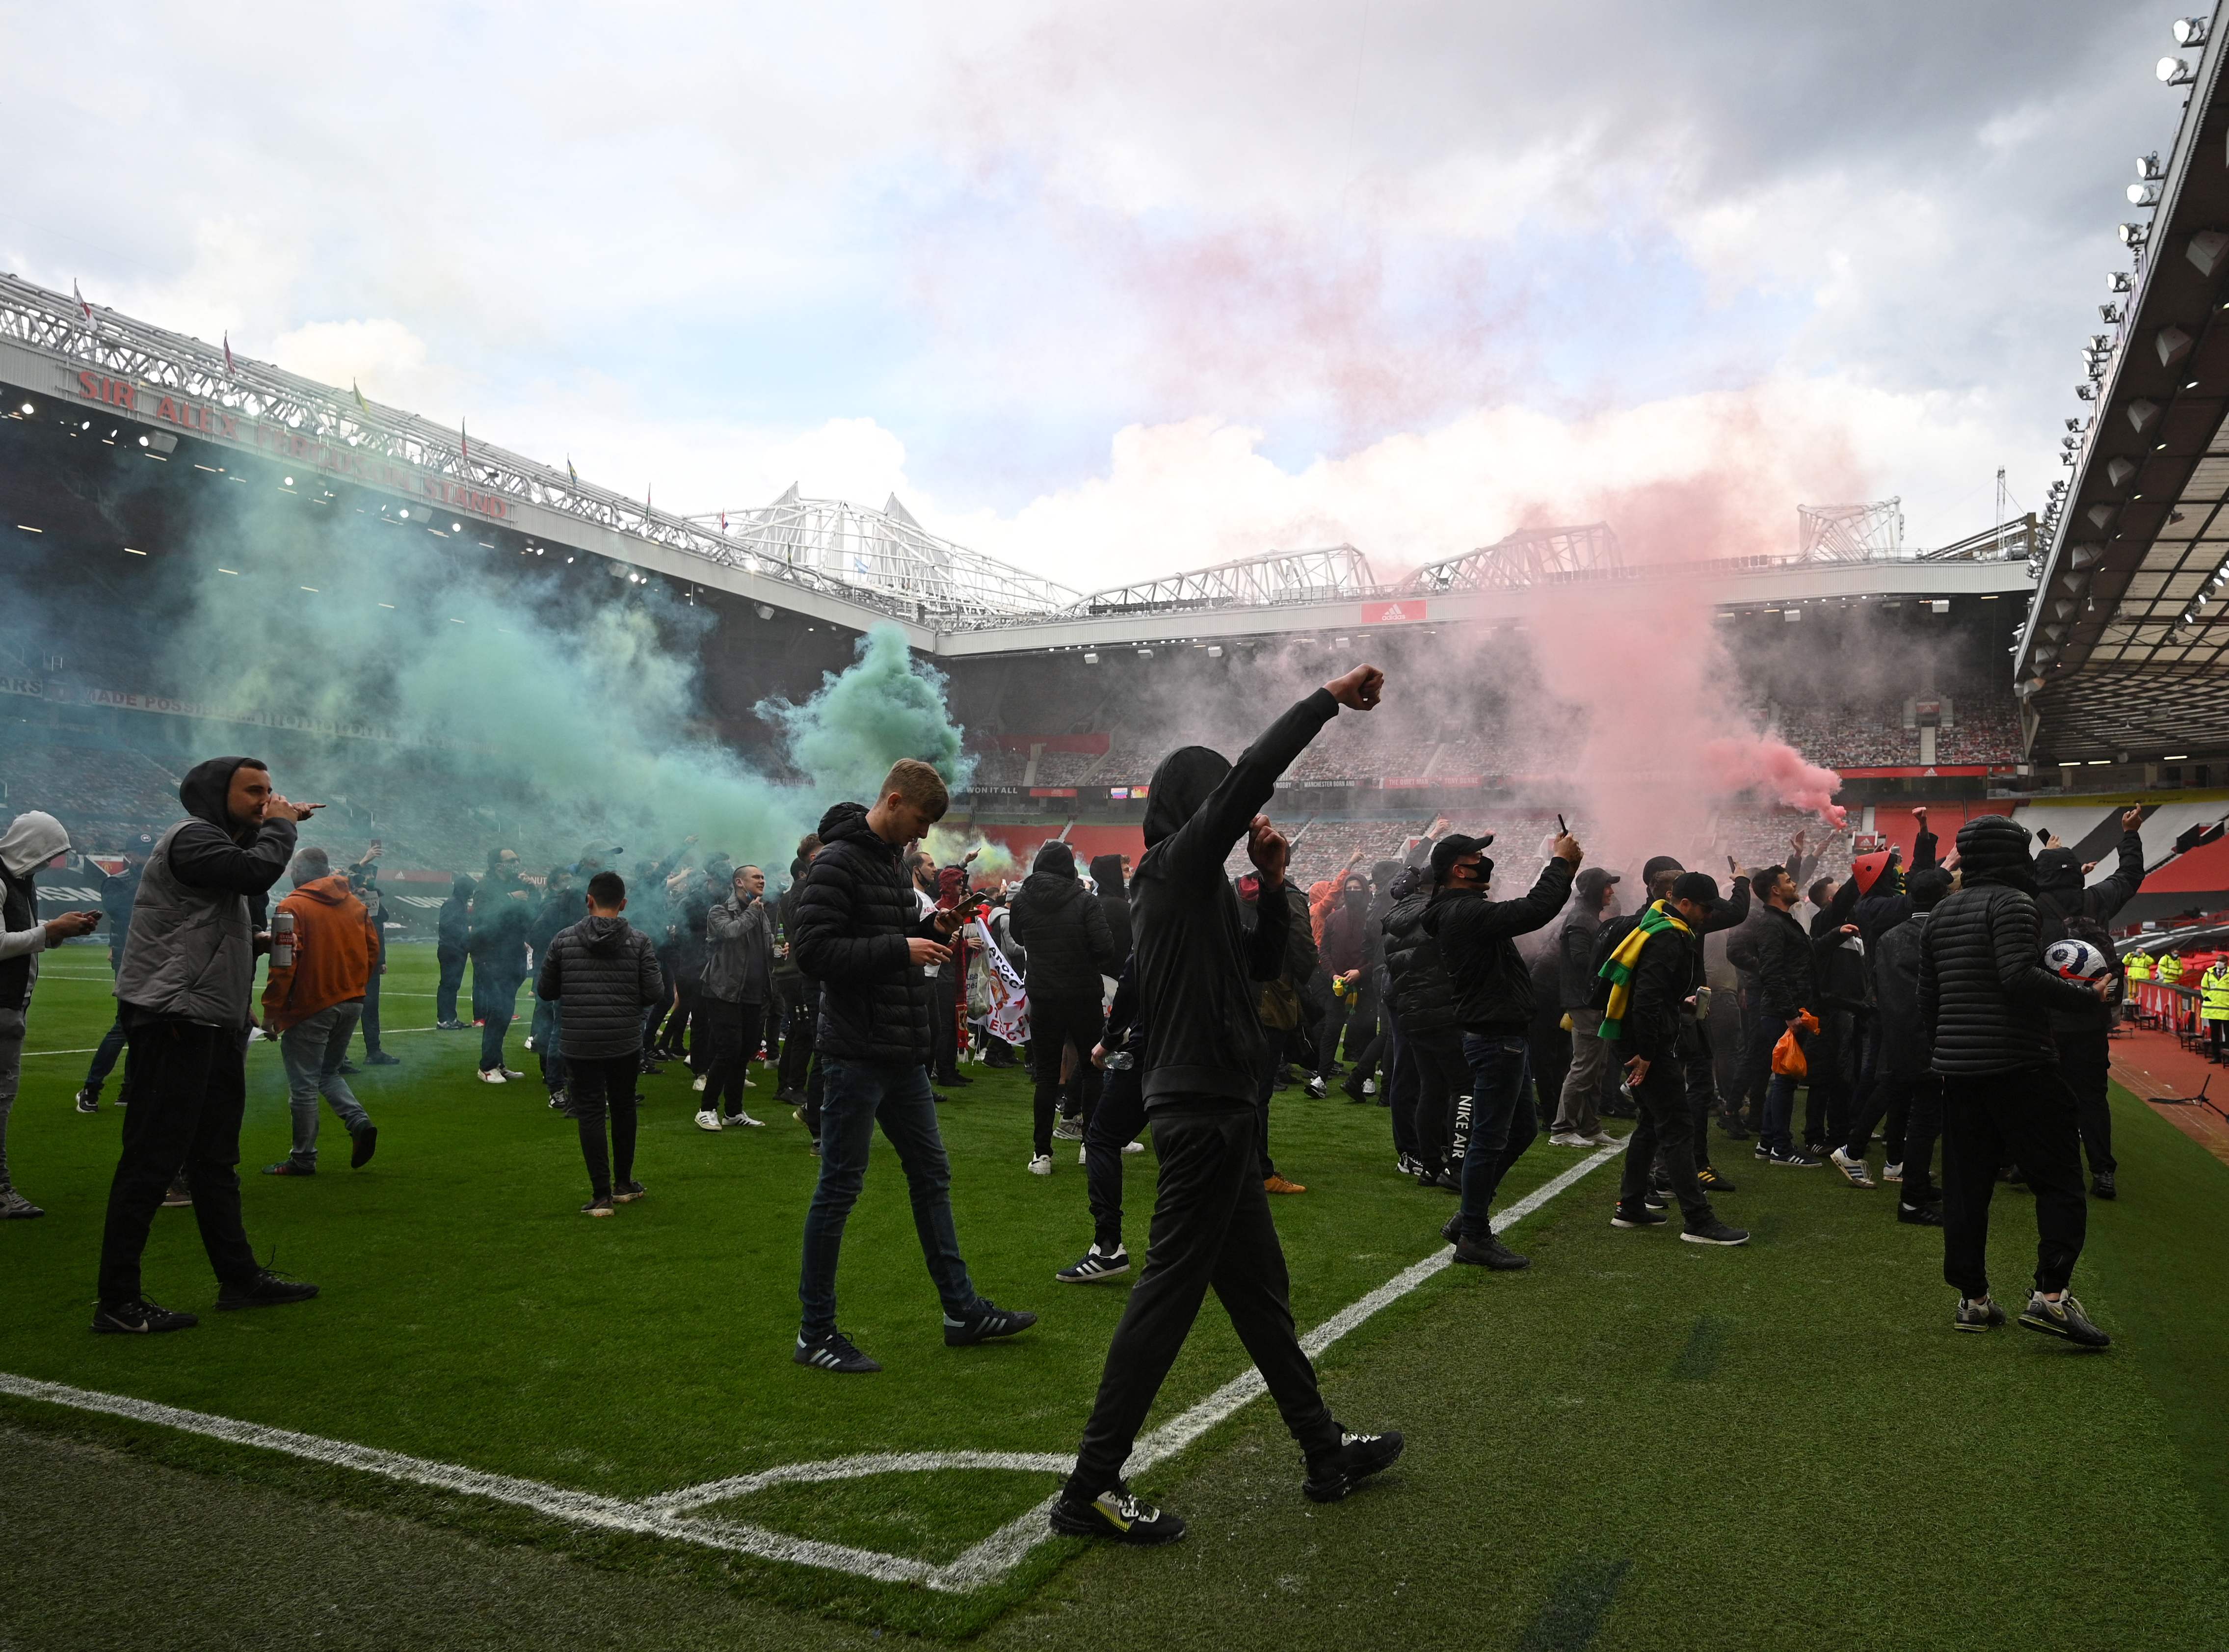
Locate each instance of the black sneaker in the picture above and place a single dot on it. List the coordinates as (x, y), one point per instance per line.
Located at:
(1977, 1316)
(2063, 1318)
(140, 1317)
(1629, 1216)
(1711, 1182)
(1447, 1181)
(1656, 1198)
(832, 1351)
(2101, 1185)
(88, 1100)
(985, 1321)
(349, 1069)
(367, 1143)
(1792, 1160)
(1451, 1230)
(266, 1290)
(627, 1191)
(1095, 1266)
(380, 1058)
(1489, 1252)
(1116, 1513)
(1359, 1455)
(1920, 1215)
(1716, 1233)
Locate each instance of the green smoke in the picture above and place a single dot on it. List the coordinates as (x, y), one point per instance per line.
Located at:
(885, 707)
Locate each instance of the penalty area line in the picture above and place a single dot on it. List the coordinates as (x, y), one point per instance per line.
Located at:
(670, 1514)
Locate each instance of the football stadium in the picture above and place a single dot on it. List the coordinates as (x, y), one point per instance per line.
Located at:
(852, 817)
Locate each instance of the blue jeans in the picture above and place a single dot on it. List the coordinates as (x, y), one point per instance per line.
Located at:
(1780, 1103)
(498, 1002)
(856, 1095)
(312, 1050)
(549, 1032)
(1498, 1066)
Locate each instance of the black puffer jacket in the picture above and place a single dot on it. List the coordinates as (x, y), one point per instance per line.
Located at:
(1771, 948)
(1478, 942)
(855, 910)
(1114, 899)
(1662, 978)
(1985, 997)
(1064, 930)
(1905, 1052)
(603, 972)
(1423, 994)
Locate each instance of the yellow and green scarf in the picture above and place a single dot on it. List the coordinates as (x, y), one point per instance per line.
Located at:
(1618, 972)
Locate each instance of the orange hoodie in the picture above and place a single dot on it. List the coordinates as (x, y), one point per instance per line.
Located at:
(335, 947)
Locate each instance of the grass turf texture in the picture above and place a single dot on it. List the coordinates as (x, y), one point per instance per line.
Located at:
(1644, 1444)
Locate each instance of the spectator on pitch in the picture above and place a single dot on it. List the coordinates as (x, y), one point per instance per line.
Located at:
(1425, 1074)
(559, 909)
(1064, 932)
(31, 841)
(2069, 911)
(732, 995)
(117, 894)
(1494, 1003)
(1844, 1009)
(1280, 1004)
(185, 991)
(1339, 948)
(802, 992)
(1110, 877)
(1197, 971)
(451, 947)
(1578, 1122)
(861, 933)
(1649, 1015)
(1116, 1122)
(310, 1006)
(1363, 1079)
(502, 912)
(363, 881)
(1777, 954)
(1987, 999)
(952, 891)
(602, 972)
(1906, 1092)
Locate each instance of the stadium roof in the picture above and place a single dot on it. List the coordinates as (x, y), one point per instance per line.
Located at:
(854, 565)
(2127, 650)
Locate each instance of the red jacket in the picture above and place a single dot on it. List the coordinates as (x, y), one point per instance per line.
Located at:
(335, 946)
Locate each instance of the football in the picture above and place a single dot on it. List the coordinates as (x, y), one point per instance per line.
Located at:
(2075, 959)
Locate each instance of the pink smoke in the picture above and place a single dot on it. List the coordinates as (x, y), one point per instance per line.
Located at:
(1769, 765)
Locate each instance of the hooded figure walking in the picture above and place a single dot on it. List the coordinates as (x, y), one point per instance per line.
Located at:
(1195, 966)
(32, 839)
(184, 993)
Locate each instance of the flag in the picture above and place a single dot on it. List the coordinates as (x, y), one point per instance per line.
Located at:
(1009, 1017)
(82, 304)
(723, 522)
(362, 406)
(570, 471)
(228, 354)
(463, 441)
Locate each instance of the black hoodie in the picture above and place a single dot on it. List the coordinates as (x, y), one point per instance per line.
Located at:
(1985, 998)
(208, 853)
(1114, 899)
(2065, 909)
(455, 924)
(1194, 962)
(1062, 931)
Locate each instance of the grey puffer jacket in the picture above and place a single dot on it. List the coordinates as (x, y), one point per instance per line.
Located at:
(604, 973)
(191, 955)
(739, 950)
(1985, 998)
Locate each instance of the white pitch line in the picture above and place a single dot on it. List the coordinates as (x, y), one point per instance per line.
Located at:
(668, 1514)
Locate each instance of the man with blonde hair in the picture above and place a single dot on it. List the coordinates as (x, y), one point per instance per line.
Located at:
(861, 934)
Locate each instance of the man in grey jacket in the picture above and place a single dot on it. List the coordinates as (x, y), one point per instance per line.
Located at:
(184, 991)
(32, 839)
(731, 998)
(603, 974)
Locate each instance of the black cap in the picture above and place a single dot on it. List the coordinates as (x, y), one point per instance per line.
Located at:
(1448, 850)
(1699, 887)
(1656, 863)
(1593, 880)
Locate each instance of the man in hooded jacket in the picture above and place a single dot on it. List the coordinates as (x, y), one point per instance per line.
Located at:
(1064, 932)
(2066, 910)
(501, 914)
(1196, 968)
(1107, 876)
(560, 909)
(1986, 999)
(32, 839)
(185, 992)
(453, 936)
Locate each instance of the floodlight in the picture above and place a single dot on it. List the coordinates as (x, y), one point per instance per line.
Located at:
(289, 481)
(26, 408)
(2192, 31)
(2144, 195)
(404, 513)
(2120, 281)
(1088, 660)
(454, 527)
(2174, 71)
(2148, 166)
(2133, 234)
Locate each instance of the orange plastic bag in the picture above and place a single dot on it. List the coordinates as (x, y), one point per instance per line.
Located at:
(1788, 1055)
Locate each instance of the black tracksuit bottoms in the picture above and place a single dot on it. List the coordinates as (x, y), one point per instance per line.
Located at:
(2086, 1060)
(185, 1092)
(599, 1085)
(733, 1031)
(1115, 1124)
(1056, 1025)
(1211, 1226)
(2026, 1117)
(1665, 1135)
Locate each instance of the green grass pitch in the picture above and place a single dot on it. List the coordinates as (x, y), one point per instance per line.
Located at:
(1637, 1444)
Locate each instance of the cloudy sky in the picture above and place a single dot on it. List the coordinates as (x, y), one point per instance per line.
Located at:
(1111, 289)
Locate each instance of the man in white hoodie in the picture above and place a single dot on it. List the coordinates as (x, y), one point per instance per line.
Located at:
(31, 841)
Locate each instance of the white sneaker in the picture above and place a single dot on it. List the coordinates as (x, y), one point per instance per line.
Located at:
(255, 1035)
(1854, 1169)
(1133, 1147)
(1084, 1155)
(492, 1076)
(1891, 1173)
(1568, 1139)
(747, 1085)
(747, 1122)
(1318, 1089)
(513, 1072)
(1601, 1138)
(1041, 1164)
(708, 1119)
(1369, 1087)
(699, 1085)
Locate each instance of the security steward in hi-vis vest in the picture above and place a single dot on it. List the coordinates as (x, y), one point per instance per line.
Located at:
(2170, 969)
(2138, 965)
(2213, 1002)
